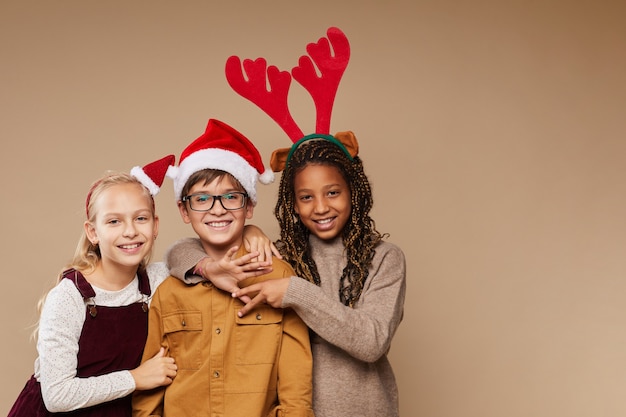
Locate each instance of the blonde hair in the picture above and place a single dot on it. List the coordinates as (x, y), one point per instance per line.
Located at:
(87, 255)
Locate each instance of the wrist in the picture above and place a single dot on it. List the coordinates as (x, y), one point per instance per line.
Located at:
(199, 269)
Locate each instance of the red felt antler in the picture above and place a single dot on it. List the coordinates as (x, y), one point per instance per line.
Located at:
(323, 88)
(272, 102)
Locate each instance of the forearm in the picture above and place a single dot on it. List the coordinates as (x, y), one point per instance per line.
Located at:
(182, 257)
(63, 391)
(75, 393)
(365, 331)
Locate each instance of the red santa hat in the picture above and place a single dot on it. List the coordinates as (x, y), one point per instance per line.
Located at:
(150, 176)
(153, 174)
(224, 148)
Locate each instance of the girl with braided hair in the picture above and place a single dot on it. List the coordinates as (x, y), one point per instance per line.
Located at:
(316, 159)
(350, 287)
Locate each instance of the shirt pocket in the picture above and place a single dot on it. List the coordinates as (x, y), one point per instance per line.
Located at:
(183, 331)
(258, 335)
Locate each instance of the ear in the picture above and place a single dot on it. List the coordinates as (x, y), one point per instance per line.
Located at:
(90, 232)
(278, 161)
(249, 209)
(349, 141)
(184, 214)
(156, 226)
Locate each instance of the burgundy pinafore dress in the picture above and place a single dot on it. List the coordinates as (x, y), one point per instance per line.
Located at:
(112, 339)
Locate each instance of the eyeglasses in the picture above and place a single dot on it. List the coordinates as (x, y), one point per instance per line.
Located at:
(205, 202)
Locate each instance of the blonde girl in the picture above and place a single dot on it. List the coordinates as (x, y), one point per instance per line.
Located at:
(93, 323)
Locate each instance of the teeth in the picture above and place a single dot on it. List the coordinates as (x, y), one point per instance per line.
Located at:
(136, 245)
(218, 224)
(324, 221)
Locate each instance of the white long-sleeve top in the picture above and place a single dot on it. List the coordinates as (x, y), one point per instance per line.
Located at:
(60, 327)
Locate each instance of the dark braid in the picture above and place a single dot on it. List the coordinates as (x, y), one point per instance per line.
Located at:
(360, 236)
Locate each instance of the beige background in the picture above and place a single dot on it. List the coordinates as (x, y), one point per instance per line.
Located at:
(493, 133)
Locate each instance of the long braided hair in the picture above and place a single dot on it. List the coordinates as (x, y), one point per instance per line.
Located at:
(359, 235)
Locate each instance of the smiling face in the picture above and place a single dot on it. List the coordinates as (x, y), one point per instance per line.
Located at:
(124, 226)
(219, 229)
(322, 200)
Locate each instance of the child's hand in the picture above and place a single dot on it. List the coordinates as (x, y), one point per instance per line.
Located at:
(254, 240)
(226, 273)
(155, 372)
(270, 292)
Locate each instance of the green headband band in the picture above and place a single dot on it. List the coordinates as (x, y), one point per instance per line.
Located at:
(318, 136)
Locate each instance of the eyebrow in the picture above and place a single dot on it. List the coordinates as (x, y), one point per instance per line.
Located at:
(325, 186)
(233, 190)
(116, 214)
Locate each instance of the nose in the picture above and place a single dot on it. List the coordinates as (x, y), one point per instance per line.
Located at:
(130, 230)
(320, 206)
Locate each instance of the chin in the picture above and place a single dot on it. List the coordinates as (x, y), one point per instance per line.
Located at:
(330, 235)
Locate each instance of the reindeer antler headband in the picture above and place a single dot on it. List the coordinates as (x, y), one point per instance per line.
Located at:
(322, 89)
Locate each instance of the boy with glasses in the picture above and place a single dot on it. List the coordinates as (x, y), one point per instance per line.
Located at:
(259, 365)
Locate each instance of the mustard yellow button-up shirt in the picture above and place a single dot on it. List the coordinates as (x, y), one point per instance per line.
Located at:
(257, 365)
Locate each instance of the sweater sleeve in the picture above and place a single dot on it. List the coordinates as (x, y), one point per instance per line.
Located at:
(365, 331)
(157, 273)
(60, 327)
(182, 257)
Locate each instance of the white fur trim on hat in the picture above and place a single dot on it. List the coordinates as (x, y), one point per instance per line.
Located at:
(143, 178)
(214, 158)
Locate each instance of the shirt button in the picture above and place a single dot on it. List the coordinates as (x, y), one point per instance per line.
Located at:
(216, 374)
(258, 316)
(218, 330)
